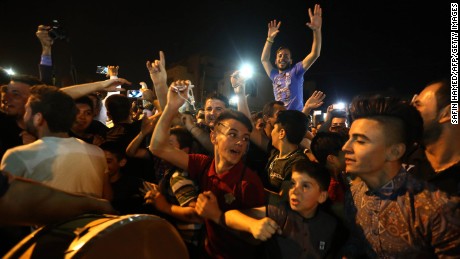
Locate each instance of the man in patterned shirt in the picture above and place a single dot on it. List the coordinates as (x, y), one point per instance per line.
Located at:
(391, 213)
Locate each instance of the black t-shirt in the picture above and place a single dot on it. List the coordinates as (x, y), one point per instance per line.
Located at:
(447, 180)
(95, 128)
(124, 133)
(279, 171)
(127, 197)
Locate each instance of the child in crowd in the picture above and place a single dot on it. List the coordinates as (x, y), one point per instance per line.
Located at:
(127, 197)
(304, 230)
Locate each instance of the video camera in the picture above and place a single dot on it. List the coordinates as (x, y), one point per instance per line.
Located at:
(57, 32)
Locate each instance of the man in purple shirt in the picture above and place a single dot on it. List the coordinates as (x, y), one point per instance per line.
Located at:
(287, 79)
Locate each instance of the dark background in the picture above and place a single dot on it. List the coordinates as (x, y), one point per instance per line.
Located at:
(367, 45)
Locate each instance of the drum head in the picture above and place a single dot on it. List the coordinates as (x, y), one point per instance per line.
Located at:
(104, 236)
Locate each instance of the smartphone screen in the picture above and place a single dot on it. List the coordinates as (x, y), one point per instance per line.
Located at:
(134, 93)
(102, 70)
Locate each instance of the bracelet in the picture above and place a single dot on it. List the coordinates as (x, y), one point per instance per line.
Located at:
(269, 40)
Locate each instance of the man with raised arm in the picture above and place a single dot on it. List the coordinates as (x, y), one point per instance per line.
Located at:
(226, 183)
(287, 79)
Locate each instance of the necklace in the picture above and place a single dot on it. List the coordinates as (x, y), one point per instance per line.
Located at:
(272, 164)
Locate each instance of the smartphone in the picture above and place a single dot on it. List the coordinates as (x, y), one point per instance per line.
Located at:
(102, 70)
(338, 106)
(134, 93)
(317, 112)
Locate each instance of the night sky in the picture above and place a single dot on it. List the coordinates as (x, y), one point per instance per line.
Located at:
(367, 45)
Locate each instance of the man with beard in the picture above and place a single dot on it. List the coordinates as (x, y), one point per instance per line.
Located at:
(287, 80)
(215, 104)
(56, 159)
(441, 138)
(14, 98)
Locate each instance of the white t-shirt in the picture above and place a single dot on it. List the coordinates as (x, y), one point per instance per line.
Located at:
(68, 164)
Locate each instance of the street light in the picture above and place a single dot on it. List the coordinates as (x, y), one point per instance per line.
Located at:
(10, 71)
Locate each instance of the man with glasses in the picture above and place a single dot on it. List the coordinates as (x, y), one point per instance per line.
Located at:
(226, 183)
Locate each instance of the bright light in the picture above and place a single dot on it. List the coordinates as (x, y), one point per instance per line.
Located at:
(233, 100)
(10, 71)
(317, 112)
(246, 71)
(339, 106)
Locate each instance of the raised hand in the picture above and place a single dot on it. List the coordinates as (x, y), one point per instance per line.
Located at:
(112, 71)
(238, 83)
(157, 69)
(44, 37)
(178, 93)
(315, 18)
(315, 100)
(273, 29)
(148, 123)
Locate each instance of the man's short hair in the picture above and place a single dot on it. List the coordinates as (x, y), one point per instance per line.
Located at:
(327, 143)
(401, 121)
(114, 148)
(269, 109)
(315, 171)
(295, 123)
(236, 115)
(283, 48)
(119, 107)
(57, 107)
(256, 115)
(85, 100)
(184, 137)
(218, 96)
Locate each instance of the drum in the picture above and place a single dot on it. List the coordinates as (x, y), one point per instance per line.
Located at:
(104, 236)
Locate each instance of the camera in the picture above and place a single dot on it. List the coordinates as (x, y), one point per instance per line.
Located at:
(57, 32)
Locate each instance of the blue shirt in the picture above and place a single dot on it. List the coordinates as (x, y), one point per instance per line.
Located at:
(288, 86)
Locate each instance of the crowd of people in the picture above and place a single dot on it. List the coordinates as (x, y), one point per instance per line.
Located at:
(380, 178)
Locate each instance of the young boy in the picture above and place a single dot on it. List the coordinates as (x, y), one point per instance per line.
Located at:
(127, 198)
(305, 231)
